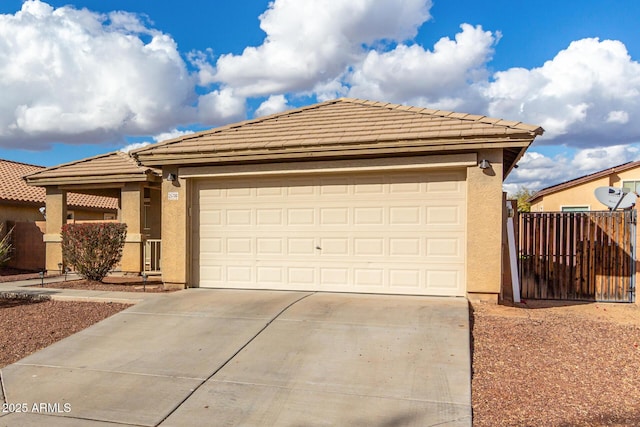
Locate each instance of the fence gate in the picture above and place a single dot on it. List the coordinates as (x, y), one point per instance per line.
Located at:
(586, 256)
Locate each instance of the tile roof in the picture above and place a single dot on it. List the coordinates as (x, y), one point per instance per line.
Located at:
(114, 167)
(15, 189)
(583, 179)
(340, 127)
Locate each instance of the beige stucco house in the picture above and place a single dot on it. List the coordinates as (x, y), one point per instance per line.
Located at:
(22, 209)
(578, 194)
(346, 195)
(135, 190)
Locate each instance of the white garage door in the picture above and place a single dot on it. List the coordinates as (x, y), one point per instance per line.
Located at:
(389, 232)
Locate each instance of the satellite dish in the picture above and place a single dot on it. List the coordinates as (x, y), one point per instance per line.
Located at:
(615, 198)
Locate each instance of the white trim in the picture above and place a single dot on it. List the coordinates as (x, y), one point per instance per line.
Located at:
(360, 165)
(575, 206)
(628, 180)
(513, 255)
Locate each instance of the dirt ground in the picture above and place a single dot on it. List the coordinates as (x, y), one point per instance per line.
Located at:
(550, 364)
(113, 283)
(28, 326)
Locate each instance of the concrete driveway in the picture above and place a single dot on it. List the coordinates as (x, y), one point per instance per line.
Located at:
(254, 358)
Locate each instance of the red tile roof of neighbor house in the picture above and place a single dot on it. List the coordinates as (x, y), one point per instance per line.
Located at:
(15, 189)
(583, 179)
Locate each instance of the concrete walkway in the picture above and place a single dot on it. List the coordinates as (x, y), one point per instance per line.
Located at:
(254, 358)
(39, 287)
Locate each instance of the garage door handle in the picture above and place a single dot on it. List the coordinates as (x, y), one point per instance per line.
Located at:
(319, 248)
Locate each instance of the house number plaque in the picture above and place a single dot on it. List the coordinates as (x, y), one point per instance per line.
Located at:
(172, 195)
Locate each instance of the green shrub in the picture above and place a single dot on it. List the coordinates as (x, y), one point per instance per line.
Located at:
(93, 249)
(5, 246)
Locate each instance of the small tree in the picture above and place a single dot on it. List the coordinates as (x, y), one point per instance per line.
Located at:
(93, 249)
(5, 246)
(522, 196)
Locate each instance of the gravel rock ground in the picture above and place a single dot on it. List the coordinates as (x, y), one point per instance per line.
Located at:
(118, 284)
(28, 326)
(544, 364)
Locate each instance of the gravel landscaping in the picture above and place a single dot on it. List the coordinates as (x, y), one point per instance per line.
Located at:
(27, 326)
(113, 284)
(556, 365)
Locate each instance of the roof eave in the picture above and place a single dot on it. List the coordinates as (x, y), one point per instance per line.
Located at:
(582, 180)
(307, 152)
(100, 179)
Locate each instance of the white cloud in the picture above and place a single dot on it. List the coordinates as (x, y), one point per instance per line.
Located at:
(536, 170)
(174, 133)
(620, 117)
(275, 104)
(67, 72)
(309, 42)
(79, 76)
(413, 75)
(581, 97)
(134, 146)
(220, 106)
(74, 75)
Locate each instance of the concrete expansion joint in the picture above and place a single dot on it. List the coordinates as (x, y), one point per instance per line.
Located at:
(226, 362)
(107, 371)
(342, 393)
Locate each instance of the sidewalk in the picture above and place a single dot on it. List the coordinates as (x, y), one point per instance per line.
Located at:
(27, 287)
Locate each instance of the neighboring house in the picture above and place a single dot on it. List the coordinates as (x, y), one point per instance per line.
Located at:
(343, 196)
(578, 194)
(22, 206)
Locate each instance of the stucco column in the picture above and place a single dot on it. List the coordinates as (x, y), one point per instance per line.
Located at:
(484, 228)
(56, 213)
(175, 230)
(131, 213)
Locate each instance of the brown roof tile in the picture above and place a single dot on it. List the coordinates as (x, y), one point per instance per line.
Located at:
(15, 189)
(344, 124)
(111, 167)
(583, 179)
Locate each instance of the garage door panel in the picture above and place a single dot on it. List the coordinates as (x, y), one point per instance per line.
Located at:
(390, 233)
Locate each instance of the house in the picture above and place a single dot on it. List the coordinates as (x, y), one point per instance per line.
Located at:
(345, 195)
(116, 175)
(22, 208)
(578, 194)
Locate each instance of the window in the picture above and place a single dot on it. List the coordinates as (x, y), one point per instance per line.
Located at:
(574, 208)
(632, 185)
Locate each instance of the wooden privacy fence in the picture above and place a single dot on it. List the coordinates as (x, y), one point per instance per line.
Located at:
(578, 255)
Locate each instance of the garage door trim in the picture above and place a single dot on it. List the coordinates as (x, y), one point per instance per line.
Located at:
(359, 165)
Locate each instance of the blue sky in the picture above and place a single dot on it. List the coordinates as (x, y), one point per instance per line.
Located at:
(84, 77)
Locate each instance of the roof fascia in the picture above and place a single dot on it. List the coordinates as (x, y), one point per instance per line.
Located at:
(300, 153)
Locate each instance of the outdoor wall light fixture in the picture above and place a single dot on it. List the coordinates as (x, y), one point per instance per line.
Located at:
(172, 177)
(484, 164)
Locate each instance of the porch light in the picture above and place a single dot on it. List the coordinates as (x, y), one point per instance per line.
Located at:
(484, 164)
(172, 177)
